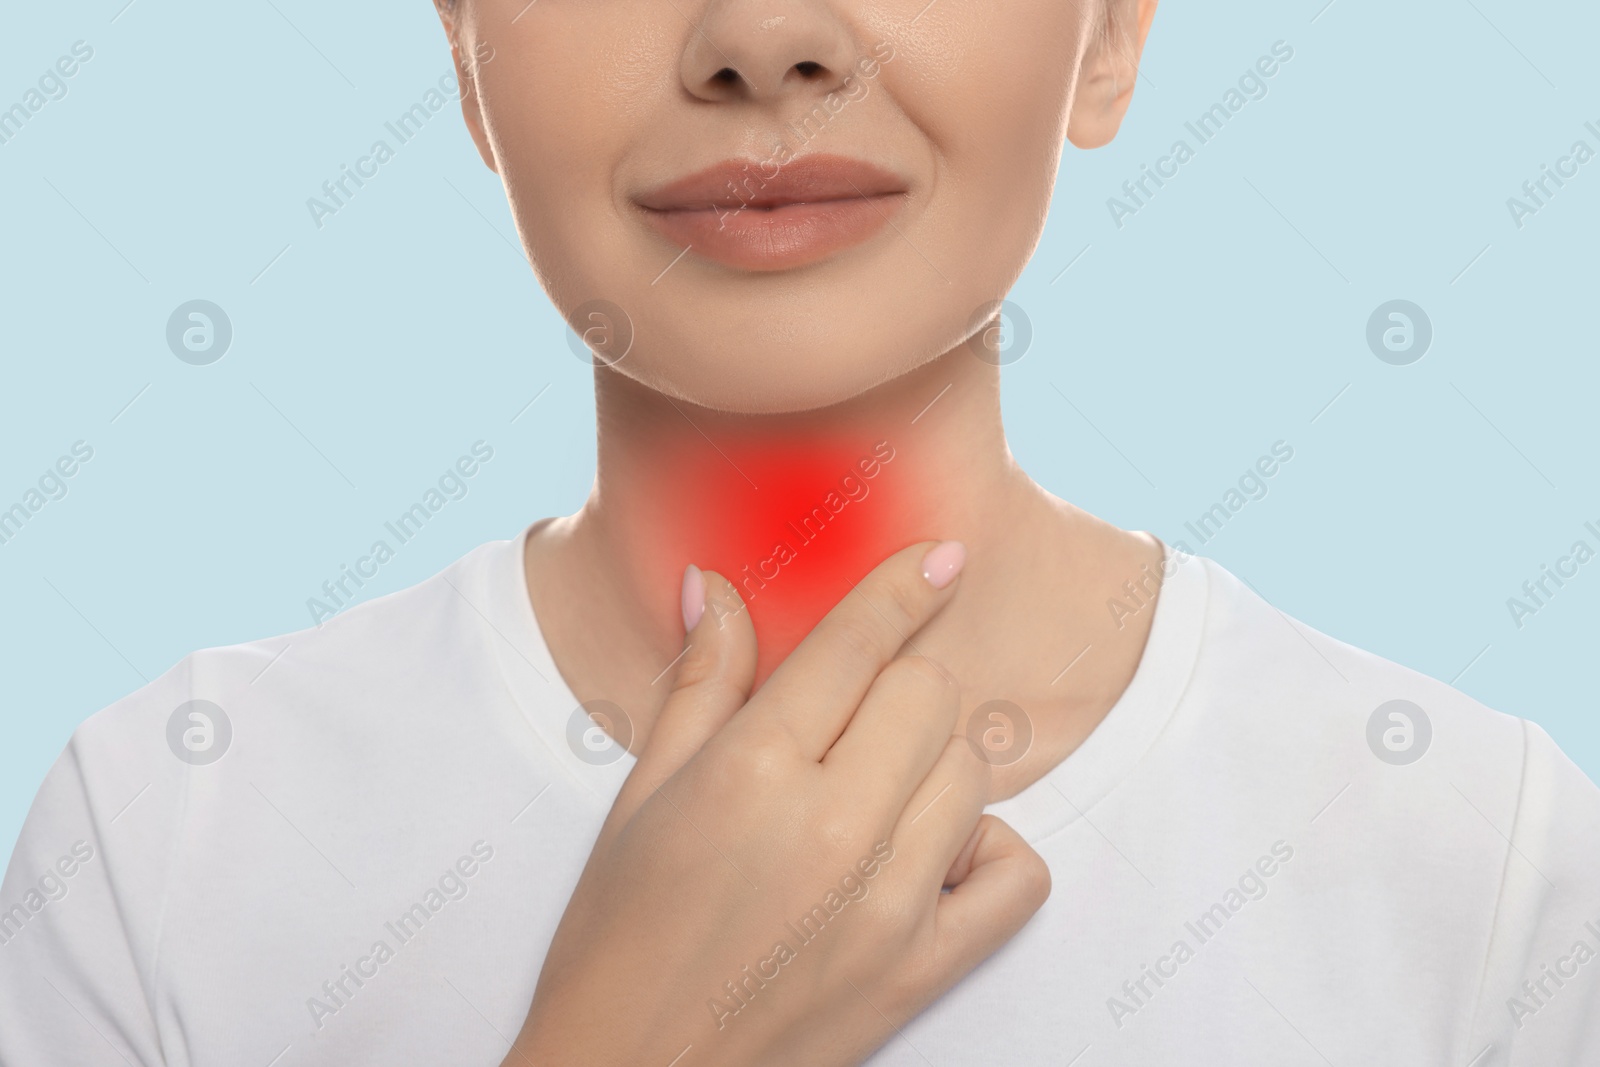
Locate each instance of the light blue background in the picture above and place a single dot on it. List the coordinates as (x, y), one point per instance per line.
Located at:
(1224, 316)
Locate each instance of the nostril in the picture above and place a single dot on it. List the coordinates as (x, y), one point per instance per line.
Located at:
(727, 76)
(808, 69)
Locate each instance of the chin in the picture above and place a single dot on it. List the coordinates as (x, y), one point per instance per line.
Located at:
(778, 380)
(771, 349)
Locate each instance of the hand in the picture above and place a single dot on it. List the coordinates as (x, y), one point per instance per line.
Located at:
(767, 887)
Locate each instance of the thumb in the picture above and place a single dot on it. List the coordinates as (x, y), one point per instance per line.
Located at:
(713, 678)
(997, 883)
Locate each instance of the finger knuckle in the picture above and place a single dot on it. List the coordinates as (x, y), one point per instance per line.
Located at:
(896, 913)
(760, 760)
(964, 762)
(920, 674)
(838, 832)
(900, 598)
(698, 669)
(859, 642)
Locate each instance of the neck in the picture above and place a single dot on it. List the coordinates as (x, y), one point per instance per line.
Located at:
(795, 508)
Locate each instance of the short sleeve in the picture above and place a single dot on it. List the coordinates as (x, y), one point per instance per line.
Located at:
(1540, 998)
(70, 988)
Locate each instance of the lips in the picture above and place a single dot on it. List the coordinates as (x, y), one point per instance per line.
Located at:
(763, 216)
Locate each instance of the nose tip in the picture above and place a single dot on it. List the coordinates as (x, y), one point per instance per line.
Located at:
(756, 49)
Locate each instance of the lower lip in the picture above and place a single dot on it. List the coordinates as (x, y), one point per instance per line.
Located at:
(781, 238)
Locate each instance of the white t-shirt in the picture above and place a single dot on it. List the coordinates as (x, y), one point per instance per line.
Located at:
(1246, 868)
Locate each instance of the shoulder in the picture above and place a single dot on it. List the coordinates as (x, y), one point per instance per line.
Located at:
(261, 780)
(350, 701)
(1417, 775)
(378, 646)
(1435, 783)
(1463, 836)
(1314, 687)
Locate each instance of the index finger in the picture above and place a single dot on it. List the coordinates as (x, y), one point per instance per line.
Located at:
(817, 689)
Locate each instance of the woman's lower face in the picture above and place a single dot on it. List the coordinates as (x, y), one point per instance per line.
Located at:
(775, 205)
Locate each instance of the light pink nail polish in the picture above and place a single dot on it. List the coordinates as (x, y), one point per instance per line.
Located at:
(943, 562)
(694, 596)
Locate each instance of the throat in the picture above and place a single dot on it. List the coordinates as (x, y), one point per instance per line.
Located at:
(793, 524)
(793, 509)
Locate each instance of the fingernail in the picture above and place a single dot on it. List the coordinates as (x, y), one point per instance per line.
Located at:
(694, 596)
(943, 562)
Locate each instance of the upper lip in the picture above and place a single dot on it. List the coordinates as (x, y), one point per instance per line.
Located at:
(759, 184)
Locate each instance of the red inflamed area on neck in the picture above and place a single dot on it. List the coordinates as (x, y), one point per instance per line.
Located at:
(792, 526)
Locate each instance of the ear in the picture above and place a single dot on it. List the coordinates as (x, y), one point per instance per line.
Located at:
(469, 58)
(1110, 69)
